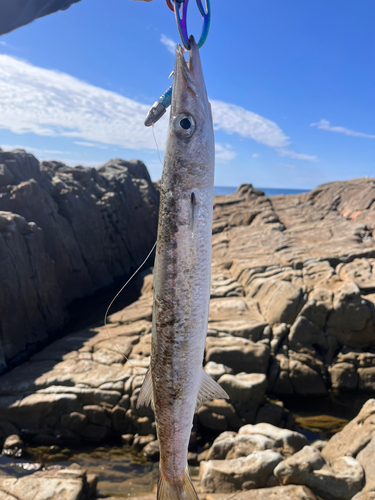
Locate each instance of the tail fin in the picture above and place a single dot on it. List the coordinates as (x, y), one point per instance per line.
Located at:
(176, 491)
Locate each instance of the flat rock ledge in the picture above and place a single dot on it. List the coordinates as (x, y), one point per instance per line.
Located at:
(84, 387)
(291, 314)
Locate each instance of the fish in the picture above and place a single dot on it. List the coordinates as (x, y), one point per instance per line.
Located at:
(176, 382)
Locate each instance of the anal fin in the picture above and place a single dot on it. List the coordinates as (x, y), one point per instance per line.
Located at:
(176, 491)
(145, 395)
(209, 389)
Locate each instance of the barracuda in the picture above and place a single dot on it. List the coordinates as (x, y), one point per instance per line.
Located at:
(176, 382)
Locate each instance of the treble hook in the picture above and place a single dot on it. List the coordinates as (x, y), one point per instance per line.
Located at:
(182, 22)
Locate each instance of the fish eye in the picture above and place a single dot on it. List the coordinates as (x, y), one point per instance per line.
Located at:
(184, 125)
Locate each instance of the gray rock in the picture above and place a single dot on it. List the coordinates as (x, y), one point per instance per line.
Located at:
(249, 472)
(280, 301)
(230, 445)
(244, 387)
(70, 233)
(127, 439)
(288, 441)
(221, 446)
(339, 482)
(351, 319)
(359, 271)
(218, 415)
(306, 333)
(344, 376)
(74, 421)
(319, 444)
(216, 370)
(140, 442)
(246, 391)
(345, 479)
(13, 446)
(60, 484)
(293, 470)
(366, 459)
(97, 415)
(316, 310)
(366, 495)
(316, 272)
(289, 492)
(29, 286)
(354, 437)
(152, 450)
(279, 333)
(305, 380)
(367, 379)
(270, 413)
(238, 354)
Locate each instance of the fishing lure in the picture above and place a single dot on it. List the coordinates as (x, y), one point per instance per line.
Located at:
(159, 108)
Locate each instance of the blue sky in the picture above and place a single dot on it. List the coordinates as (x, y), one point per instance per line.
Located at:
(291, 83)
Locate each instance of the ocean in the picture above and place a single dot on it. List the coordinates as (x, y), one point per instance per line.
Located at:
(267, 191)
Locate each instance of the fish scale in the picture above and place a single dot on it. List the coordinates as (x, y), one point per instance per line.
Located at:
(176, 381)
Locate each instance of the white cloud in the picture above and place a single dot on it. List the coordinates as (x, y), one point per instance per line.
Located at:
(255, 155)
(3, 43)
(169, 43)
(326, 125)
(40, 152)
(50, 103)
(223, 154)
(235, 119)
(52, 155)
(90, 145)
(296, 156)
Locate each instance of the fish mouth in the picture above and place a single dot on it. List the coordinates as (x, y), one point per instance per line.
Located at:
(188, 76)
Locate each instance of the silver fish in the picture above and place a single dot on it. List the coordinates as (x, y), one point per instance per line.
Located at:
(176, 381)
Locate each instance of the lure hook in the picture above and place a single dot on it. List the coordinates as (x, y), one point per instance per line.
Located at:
(175, 6)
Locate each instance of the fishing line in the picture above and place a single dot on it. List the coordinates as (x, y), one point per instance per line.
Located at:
(131, 277)
(157, 147)
(115, 297)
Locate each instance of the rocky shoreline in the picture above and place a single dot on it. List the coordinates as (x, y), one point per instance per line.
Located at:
(292, 315)
(64, 234)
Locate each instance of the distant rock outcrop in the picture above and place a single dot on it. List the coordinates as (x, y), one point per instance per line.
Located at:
(64, 234)
(306, 265)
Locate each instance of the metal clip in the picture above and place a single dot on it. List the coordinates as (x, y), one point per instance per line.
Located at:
(182, 21)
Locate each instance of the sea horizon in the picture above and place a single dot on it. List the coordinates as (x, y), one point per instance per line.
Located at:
(220, 190)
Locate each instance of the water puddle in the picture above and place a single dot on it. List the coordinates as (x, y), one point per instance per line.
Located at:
(121, 471)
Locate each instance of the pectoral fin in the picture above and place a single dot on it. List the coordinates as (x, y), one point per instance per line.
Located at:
(145, 395)
(209, 389)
